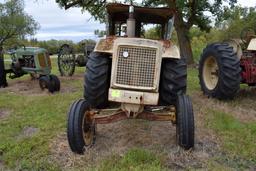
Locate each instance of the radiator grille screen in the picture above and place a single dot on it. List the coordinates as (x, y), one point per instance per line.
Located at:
(138, 69)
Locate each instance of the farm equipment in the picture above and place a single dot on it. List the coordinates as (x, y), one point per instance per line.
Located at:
(147, 78)
(67, 60)
(34, 61)
(224, 66)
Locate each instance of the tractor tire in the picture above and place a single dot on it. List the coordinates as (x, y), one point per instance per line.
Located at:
(66, 60)
(185, 122)
(3, 81)
(55, 81)
(173, 81)
(97, 80)
(219, 71)
(80, 132)
(46, 83)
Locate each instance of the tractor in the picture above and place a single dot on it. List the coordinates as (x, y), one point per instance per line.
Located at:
(34, 61)
(224, 66)
(144, 78)
(67, 60)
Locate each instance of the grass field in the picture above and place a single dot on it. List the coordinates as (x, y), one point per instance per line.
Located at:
(33, 126)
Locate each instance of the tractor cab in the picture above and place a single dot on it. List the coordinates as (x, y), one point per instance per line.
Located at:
(128, 21)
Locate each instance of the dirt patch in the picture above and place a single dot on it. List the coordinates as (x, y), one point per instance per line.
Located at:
(4, 113)
(30, 87)
(158, 137)
(28, 132)
(118, 138)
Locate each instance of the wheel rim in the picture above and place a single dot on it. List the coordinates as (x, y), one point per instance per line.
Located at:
(43, 85)
(88, 130)
(211, 73)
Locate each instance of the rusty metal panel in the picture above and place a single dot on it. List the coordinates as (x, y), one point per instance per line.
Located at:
(41, 60)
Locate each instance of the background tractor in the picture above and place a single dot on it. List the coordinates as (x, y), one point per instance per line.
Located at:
(68, 60)
(146, 77)
(30, 60)
(224, 66)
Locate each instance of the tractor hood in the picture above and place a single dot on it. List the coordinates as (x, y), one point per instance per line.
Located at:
(169, 50)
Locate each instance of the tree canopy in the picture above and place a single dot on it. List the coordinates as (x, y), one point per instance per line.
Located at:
(15, 23)
(187, 14)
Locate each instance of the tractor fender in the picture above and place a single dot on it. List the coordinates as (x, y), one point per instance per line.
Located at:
(236, 45)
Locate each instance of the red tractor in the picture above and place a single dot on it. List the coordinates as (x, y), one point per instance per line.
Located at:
(224, 66)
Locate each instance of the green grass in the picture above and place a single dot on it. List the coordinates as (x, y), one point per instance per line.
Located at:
(134, 159)
(238, 139)
(48, 114)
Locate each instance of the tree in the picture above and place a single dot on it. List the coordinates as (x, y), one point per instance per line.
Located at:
(234, 21)
(14, 24)
(187, 14)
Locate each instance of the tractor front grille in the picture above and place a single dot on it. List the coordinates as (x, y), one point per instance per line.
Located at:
(138, 68)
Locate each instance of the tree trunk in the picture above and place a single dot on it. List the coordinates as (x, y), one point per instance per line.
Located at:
(3, 82)
(185, 45)
(184, 41)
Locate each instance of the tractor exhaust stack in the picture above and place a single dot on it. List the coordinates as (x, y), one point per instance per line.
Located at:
(131, 23)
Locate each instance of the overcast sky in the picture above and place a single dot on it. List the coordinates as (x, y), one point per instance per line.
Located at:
(72, 24)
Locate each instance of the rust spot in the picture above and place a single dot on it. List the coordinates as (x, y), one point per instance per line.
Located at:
(167, 43)
(106, 44)
(41, 59)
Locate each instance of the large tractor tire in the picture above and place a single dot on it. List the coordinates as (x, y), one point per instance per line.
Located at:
(97, 80)
(81, 131)
(185, 129)
(219, 71)
(173, 81)
(3, 82)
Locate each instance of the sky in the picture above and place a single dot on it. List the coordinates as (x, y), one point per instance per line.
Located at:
(71, 24)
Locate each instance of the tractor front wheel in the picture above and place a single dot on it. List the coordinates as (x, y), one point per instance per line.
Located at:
(185, 122)
(45, 83)
(81, 130)
(55, 81)
(219, 71)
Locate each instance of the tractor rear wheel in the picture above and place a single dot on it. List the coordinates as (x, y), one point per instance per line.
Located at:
(173, 81)
(185, 122)
(219, 71)
(3, 82)
(66, 60)
(97, 80)
(46, 83)
(80, 130)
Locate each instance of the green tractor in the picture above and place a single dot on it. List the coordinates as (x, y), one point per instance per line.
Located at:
(29, 60)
